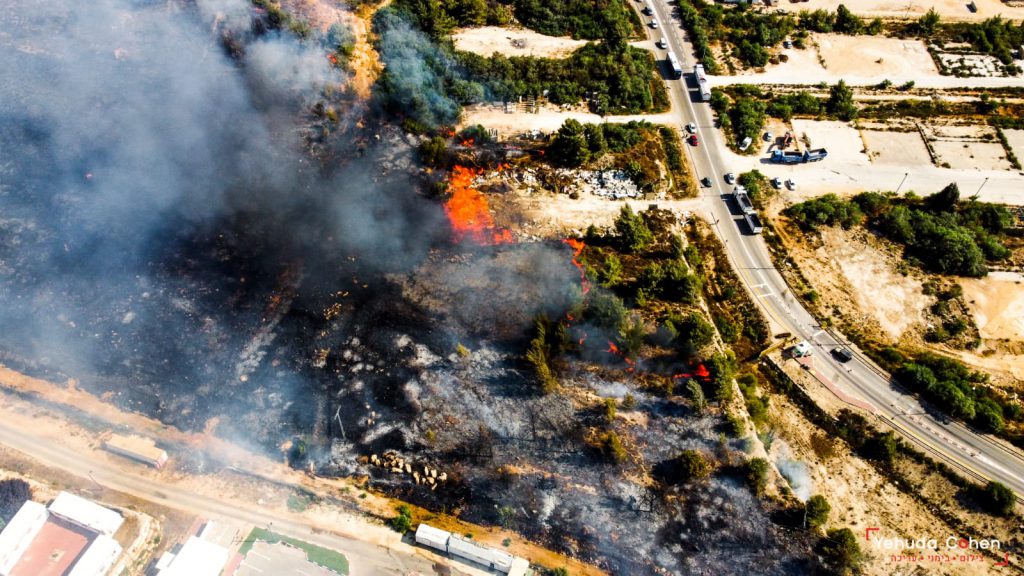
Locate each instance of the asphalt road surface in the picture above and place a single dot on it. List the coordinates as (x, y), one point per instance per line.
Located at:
(974, 454)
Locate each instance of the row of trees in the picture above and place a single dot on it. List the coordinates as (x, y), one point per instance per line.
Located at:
(951, 386)
(942, 233)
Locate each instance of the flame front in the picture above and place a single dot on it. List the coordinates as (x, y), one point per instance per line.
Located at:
(577, 249)
(468, 212)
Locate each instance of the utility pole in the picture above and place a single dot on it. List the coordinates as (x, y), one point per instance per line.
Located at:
(905, 174)
(982, 186)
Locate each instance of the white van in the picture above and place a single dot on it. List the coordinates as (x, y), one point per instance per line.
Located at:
(663, 43)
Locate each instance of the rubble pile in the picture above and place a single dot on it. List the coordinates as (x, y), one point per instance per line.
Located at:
(614, 184)
(421, 475)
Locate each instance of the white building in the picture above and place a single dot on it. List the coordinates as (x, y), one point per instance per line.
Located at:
(196, 558)
(98, 558)
(17, 536)
(433, 537)
(86, 514)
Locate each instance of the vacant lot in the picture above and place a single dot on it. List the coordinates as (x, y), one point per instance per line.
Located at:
(843, 141)
(949, 9)
(1016, 140)
(546, 119)
(490, 39)
(871, 56)
(965, 154)
(997, 303)
(896, 148)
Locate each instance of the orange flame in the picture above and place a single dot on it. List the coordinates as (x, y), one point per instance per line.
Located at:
(702, 372)
(612, 348)
(468, 212)
(577, 249)
(683, 375)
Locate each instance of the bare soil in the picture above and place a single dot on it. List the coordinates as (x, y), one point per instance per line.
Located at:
(896, 148)
(861, 497)
(843, 141)
(546, 120)
(487, 40)
(948, 9)
(1016, 140)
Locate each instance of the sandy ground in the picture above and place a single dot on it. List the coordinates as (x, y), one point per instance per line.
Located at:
(1016, 140)
(896, 148)
(997, 303)
(842, 140)
(547, 120)
(971, 155)
(861, 497)
(858, 56)
(948, 9)
(487, 40)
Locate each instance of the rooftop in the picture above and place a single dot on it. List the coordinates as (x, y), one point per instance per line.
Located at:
(86, 513)
(54, 550)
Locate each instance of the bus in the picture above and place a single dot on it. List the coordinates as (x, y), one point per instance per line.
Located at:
(702, 82)
(673, 63)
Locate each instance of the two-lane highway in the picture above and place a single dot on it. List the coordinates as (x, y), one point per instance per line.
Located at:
(974, 454)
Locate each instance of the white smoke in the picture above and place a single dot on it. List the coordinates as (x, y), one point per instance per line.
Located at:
(794, 471)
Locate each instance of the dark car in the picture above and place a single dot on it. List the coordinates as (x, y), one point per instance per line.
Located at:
(693, 140)
(842, 354)
(705, 182)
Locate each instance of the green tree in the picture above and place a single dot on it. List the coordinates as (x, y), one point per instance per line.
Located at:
(611, 273)
(816, 510)
(403, 522)
(570, 147)
(847, 22)
(927, 24)
(633, 233)
(695, 331)
(840, 551)
(595, 139)
(840, 102)
(721, 367)
(882, 447)
(688, 466)
(998, 499)
(944, 200)
(696, 394)
(757, 474)
(432, 152)
(611, 447)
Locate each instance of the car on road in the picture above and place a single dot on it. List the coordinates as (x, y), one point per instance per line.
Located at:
(663, 43)
(705, 182)
(730, 178)
(842, 354)
(791, 184)
(654, 24)
(693, 140)
(691, 128)
(777, 182)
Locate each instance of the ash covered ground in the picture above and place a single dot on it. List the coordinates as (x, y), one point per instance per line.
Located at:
(179, 233)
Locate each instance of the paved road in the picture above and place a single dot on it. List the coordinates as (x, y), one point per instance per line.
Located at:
(365, 559)
(977, 455)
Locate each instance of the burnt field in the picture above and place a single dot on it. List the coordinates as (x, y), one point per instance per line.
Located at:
(175, 237)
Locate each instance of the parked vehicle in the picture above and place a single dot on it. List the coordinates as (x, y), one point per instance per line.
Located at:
(705, 182)
(730, 178)
(791, 184)
(783, 157)
(700, 77)
(663, 43)
(777, 182)
(648, 9)
(746, 143)
(787, 44)
(693, 140)
(768, 136)
(654, 24)
(691, 128)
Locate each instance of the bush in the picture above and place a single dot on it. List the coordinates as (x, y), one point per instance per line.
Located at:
(633, 233)
(827, 210)
(757, 475)
(721, 367)
(840, 551)
(13, 493)
(433, 151)
(998, 499)
(611, 447)
(688, 466)
(816, 510)
(403, 522)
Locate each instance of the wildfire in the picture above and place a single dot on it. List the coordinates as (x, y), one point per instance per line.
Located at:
(613, 349)
(468, 212)
(577, 249)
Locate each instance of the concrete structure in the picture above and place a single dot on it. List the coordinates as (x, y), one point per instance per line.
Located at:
(86, 514)
(468, 550)
(137, 448)
(73, 537)
(17, 536)
(196, 558)
(98, 559)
